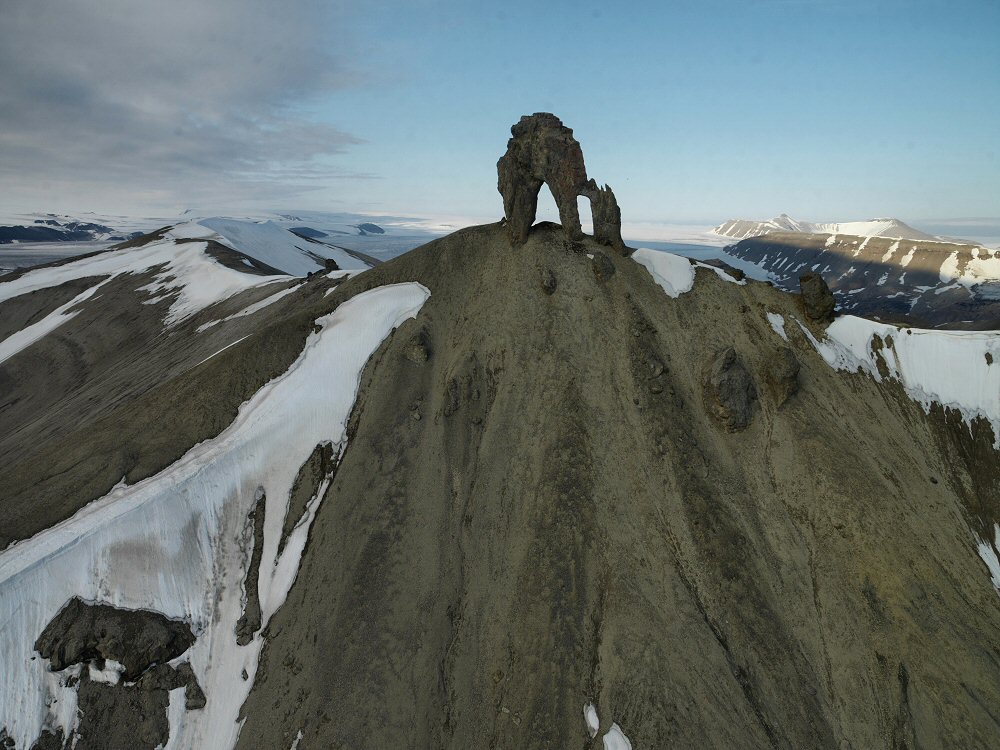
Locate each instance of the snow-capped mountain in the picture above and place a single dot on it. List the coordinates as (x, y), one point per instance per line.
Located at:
(35, 239)
(52, 228)
(511, 489)
(893, 228)
(280, 500)
(928, 283)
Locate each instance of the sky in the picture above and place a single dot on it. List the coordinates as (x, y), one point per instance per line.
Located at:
(694, 112)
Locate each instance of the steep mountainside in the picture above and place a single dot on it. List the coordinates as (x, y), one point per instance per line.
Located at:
(922, 283)
(894, 228)
(517, 488)
(539, 505)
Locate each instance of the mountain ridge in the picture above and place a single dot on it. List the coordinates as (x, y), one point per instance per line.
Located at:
(885, 227)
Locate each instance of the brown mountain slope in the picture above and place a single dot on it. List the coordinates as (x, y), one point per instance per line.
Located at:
(540, 507)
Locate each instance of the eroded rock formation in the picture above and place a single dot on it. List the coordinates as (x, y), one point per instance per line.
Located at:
(817, 299)
(136, 639)
(543, 150)
(730, 392)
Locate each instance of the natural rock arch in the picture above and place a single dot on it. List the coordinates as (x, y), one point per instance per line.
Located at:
(543, 150)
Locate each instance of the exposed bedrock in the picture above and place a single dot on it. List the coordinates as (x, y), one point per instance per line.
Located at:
(126, 710)
(249, 622)
(569, 522)
(817, 299)
(782, 375)
(730, 392)
(136, 639)
(544, 151)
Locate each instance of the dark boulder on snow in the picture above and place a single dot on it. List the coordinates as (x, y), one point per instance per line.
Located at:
(165, 677)
(543, 150)
(48, 740)
(250, 621)
(136, 639)
(817, 299)
(730, 392)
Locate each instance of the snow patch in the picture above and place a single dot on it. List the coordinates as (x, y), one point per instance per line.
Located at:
(251, 309)
(27, 336)
(778, 324)
(175, 542)
(988, 551)
(590, 718)
(615, 739)
(673, 273)
(111, 674)
(944, 367)
(721, 273)
(889, 253)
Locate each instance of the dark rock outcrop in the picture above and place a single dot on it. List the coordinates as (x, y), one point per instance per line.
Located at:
(730, 393)
(165, 677)
(543, 150)
(49, 740)
(249, 622)
(549, 282)
(607, 216)
(782, 375)
(136, 639)
(817, 299)
(604, 269)
(120, 717)
(419, 350)
(320, 465)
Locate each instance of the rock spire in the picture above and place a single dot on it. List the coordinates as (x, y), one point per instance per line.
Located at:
(543, 150)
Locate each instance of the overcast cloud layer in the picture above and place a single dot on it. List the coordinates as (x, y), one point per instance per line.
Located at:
(124, 104)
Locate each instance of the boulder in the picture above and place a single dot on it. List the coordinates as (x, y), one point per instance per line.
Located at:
(817, 299)
(730, 392)
(136, 639)
(782, 375)
(602, 266)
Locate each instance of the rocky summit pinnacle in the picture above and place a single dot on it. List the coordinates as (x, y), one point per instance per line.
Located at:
(543, 150)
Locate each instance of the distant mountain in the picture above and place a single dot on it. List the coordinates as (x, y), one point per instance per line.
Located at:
(927, 283)
(508, 490)
(234, 500)
(894, 228)
(54, 230)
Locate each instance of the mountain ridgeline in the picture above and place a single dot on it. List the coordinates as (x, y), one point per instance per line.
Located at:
(924, 283)
(569, 496)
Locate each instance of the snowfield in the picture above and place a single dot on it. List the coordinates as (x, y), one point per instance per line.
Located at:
(179, 542)
(742, 228)
(957, 369)
(184, 272)
(277, 247)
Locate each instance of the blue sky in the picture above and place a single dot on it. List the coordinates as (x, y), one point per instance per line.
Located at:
(692, 111)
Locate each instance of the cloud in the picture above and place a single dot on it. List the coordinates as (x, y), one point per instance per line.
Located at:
(179, 102)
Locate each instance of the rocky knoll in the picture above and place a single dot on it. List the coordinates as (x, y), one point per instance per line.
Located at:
(543, 150)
